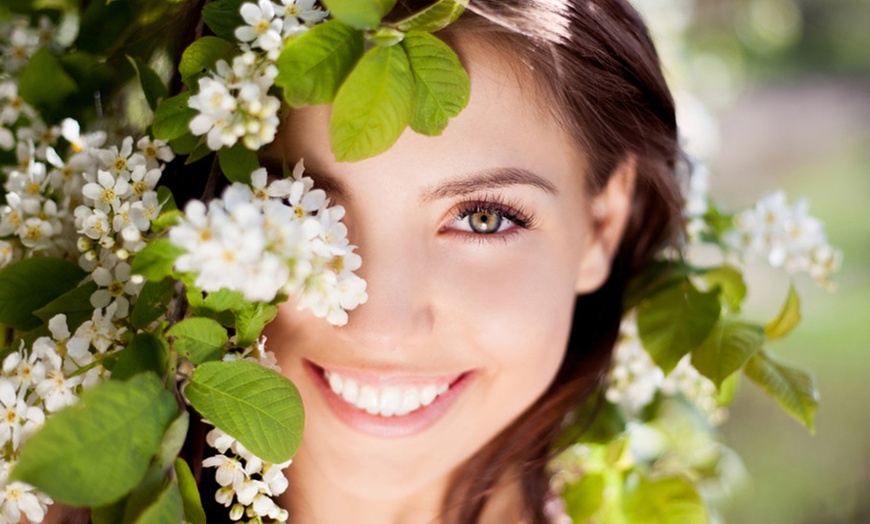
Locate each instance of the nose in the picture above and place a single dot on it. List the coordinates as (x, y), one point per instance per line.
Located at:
(398, 313)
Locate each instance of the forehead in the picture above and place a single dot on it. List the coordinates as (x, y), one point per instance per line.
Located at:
(505, 125)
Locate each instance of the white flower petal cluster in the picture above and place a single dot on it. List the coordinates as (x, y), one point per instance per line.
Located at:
(19, 500)
(786, 236)
(234, 103)
(247, 482)
(269, 238)
(635, 379)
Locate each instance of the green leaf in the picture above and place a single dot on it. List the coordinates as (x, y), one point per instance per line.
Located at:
(437, 16)
(789, 317)
(223, 17)
(361, 14)
(667, 501)
(167, 509)
(313, 65)
(251, 320)
(385, 36)
(43, 82)
(201, 56)
(727, 349)
(166, 220)
(172, 116)
(173, 441)
(152, 302)
(144, 353)
(75, 304)
(584, 498)
(794, 390)
(675, 320)
(373, 106)
(108, 514)
(151, 83)
(94, 452)
(730, 281)
(31, 284)
(256, 405)
(156, 260)
(166, 199)
(186, 143)
(145, 494)
(238, 162)
(193, 512)
(199, 339)
(442, 85)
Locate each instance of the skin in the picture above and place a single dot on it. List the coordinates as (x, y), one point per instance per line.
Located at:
(443, 299)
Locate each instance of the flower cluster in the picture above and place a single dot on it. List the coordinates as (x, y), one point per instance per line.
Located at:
(233, 102)
(22, 41)
(635, 379)
(269, 238)
(785, 236)
(247, 482)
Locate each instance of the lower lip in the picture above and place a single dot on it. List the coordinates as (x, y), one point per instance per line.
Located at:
(395, 426)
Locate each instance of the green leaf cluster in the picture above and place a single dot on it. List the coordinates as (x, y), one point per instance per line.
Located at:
(676, 317)
(406, 77)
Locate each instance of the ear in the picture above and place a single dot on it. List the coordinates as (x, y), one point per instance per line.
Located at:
(610, 211)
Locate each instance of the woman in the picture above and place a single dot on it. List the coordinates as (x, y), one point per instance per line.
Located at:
(442, 398)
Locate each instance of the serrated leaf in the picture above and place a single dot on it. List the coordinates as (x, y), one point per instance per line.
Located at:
(238, 162)
(75, 304)
(675, 320)
(730, 281)
(584, 498)
(251, 320)
(361, 14)
(666, 501)
(144, 353)
(193, 512)
(199, 339)
(256, 405)
(373, 106)
(167, 509)
(172, 116)
(789, 317)
(156, 260)
(442, 87)
(313, 65)
(201, 56)
(729, 346)
(43, 82)
(94, 452)
(152, 85)
(152, 302)
(31, 284)
(794, 390)
(223, 17)
(437, 16)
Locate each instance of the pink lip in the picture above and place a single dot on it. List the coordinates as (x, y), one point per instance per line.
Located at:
(397, 426)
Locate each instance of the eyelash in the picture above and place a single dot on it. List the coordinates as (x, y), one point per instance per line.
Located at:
(507, 210)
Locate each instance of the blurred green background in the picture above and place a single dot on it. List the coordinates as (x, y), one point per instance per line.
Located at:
(789, 83)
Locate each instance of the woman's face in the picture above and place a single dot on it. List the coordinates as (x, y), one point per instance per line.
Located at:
(478, 320)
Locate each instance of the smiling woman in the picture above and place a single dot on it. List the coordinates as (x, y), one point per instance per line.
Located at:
(443, 395)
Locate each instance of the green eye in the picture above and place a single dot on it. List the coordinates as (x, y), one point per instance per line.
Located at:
(484, 222)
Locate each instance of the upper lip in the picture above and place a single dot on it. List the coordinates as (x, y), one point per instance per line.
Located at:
(391, 377)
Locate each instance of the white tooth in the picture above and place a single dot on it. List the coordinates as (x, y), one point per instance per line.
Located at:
(443, 388)
(335, 382)
(368, 399)
(428, 394)
(410, 401)
(350, 391)
(391, 400)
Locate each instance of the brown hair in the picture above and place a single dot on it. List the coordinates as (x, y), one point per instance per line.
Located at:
(598, 67)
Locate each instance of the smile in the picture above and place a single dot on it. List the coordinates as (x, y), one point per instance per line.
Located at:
(388, 404)
(384, 401)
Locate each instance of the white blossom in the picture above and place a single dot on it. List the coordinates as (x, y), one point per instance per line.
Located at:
(263, 30)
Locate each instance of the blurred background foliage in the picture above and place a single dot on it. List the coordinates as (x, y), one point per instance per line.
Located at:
(787, 84)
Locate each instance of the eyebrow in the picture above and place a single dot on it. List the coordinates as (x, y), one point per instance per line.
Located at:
(481, 180)
(487, 179)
